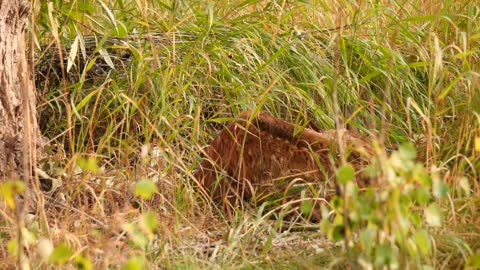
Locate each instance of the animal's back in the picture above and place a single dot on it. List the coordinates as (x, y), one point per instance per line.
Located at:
(257, 156)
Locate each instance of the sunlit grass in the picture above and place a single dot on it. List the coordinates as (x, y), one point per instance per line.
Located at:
(402, 72)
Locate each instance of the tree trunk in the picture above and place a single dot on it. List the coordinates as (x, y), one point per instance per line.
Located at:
(18, 126)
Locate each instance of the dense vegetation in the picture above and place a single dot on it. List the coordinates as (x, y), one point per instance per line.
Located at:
(404, 73)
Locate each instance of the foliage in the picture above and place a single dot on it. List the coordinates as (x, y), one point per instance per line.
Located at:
(389, 227)
(400, 72)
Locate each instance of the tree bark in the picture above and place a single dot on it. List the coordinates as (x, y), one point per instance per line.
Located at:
(18, 126)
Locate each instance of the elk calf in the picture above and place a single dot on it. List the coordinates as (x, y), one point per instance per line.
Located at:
(259, 156)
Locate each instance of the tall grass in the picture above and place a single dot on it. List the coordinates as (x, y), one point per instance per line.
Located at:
(399, 71)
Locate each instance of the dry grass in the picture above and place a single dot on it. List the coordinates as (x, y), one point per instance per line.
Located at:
(395, 71)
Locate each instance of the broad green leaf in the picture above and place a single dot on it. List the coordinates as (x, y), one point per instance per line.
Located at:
(337, 203)
(412, 247)
(325, 224)
(9, 189)
(86, 7)
(423, 242)
(345, 174)
(365, 209)
(136, 235)
(135, 263)
(367, 239)
(383, 255)
(89, 164)
(12, 247)
(421, 176)
(61, 254)
(370, 171)
(416, 219)
(145, 189)
(139, 238)
(440, 189)
(421, 195)
(121, 29)
(338, 232)
(306, 206)
(150, 221)
(407, 152)
(473, 262)
(82, 263)
(433, 216)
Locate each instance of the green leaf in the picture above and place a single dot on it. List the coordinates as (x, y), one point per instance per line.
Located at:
(370, 171)
(463, 186)
(383, 255)
(83, 263)
(367, 239)
(476, 144)
(86, 100)
(433, 216)
(421, 195)
(85, 7)
(450, 86)
(421, 18)
(338, 232)
(9, 189)
(89, 164)
(150, 221)
(369, 76)
(412, 247)
(61, 254)
(136, 235)
(306, 207)
(416, 219)
(473, 262)
(420, 175)
(336, 203)
(109, 13)
(365, 208)
(440, 188)
(407, 152)
(325, 224)
(135, 263)
(12, 247)
(145, 189)
(423, 242)
(345, 174)
(121, 30)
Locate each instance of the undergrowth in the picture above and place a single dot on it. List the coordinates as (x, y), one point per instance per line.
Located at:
(130, 91)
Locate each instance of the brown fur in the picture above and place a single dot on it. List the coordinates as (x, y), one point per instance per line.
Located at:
(255, 157)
